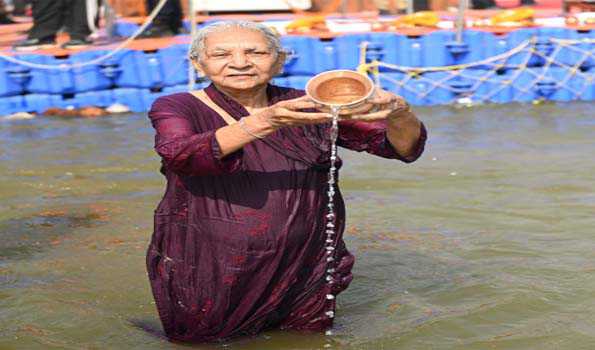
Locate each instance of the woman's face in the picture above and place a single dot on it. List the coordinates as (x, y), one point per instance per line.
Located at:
(238, 59)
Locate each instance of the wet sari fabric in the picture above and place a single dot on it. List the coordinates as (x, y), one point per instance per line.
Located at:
(238, 242)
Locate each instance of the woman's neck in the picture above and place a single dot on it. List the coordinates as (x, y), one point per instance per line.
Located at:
(251, 99)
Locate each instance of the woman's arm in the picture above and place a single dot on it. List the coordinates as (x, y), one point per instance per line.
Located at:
(182, 149)
(259, 125)
(404, 131)
(215, 152)
(392, 132)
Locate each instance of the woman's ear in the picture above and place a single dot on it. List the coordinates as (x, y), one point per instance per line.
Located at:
(198, 68)
(278, 69)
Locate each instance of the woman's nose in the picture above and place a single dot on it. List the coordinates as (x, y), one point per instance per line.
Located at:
(240, 60)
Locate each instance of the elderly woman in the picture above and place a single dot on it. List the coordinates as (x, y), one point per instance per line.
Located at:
(238, 242)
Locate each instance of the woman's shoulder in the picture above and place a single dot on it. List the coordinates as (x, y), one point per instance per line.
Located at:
(174, 99)
(178, 102)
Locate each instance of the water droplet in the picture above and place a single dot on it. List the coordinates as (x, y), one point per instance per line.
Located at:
(330, 314)
(330, 296)
(328, 332)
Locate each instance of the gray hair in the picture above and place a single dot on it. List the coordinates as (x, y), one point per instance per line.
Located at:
(197, 48)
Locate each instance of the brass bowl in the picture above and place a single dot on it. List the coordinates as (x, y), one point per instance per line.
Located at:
(345, 89)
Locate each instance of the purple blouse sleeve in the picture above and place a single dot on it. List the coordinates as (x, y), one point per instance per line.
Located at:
(184, 150)
(371, 137)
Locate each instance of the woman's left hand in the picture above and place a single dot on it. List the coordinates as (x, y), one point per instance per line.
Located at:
(384, 105)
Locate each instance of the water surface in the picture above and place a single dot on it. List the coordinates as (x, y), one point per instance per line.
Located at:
(486, 242)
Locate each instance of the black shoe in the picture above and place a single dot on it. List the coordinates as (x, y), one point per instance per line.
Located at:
(34, 44)
(157, 32)
(76, 44)
(4, 19)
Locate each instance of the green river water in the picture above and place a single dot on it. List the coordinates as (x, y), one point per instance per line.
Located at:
(486, 242)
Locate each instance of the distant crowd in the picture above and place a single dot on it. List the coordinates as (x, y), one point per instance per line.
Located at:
(78, 18)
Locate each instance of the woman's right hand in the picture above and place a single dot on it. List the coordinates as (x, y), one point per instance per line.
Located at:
(287, 113)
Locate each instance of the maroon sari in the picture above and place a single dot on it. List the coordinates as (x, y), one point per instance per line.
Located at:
(238, 242)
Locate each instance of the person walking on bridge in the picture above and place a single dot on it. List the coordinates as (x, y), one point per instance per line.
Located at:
(49, 16)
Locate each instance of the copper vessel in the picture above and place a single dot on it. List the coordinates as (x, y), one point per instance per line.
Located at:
(345, 89)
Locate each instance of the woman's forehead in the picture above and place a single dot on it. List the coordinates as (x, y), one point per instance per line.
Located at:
(235, 37)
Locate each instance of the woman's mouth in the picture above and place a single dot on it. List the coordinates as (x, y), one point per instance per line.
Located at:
(241, 75)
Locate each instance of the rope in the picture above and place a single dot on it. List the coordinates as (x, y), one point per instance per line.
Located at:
(501, 56)
(553, 73)
(97, 60)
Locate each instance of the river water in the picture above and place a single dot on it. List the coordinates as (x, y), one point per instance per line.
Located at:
(486, 242)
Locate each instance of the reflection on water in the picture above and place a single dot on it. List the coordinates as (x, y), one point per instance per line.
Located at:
(487, 242)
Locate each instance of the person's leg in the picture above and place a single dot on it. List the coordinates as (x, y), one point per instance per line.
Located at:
(168, 20)
(78, 27)
(20, 6)
(4, 17)
(310, 315)
(47, 19)
(172, 13)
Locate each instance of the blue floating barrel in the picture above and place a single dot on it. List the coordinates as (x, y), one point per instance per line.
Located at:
(415, 89)
(557, 44)
(439, 49)
(11, 104)
(299, 55)
(393, 82)
(174, 64)
(412, 54)
(427, 89)
(138, 69)
(101, 98)
(325, 57)
(523, 82)
(348, 50)
(489, 85)
(584, 82)
(12, 78)
(390, 48)
(39, 103)
(175, 89)
(135, 99)
(524, 57)
(447, 87)
(48, 81)
(91, 77)
(564, 89)
(482, 45)
(299, 58)
(308, 55)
